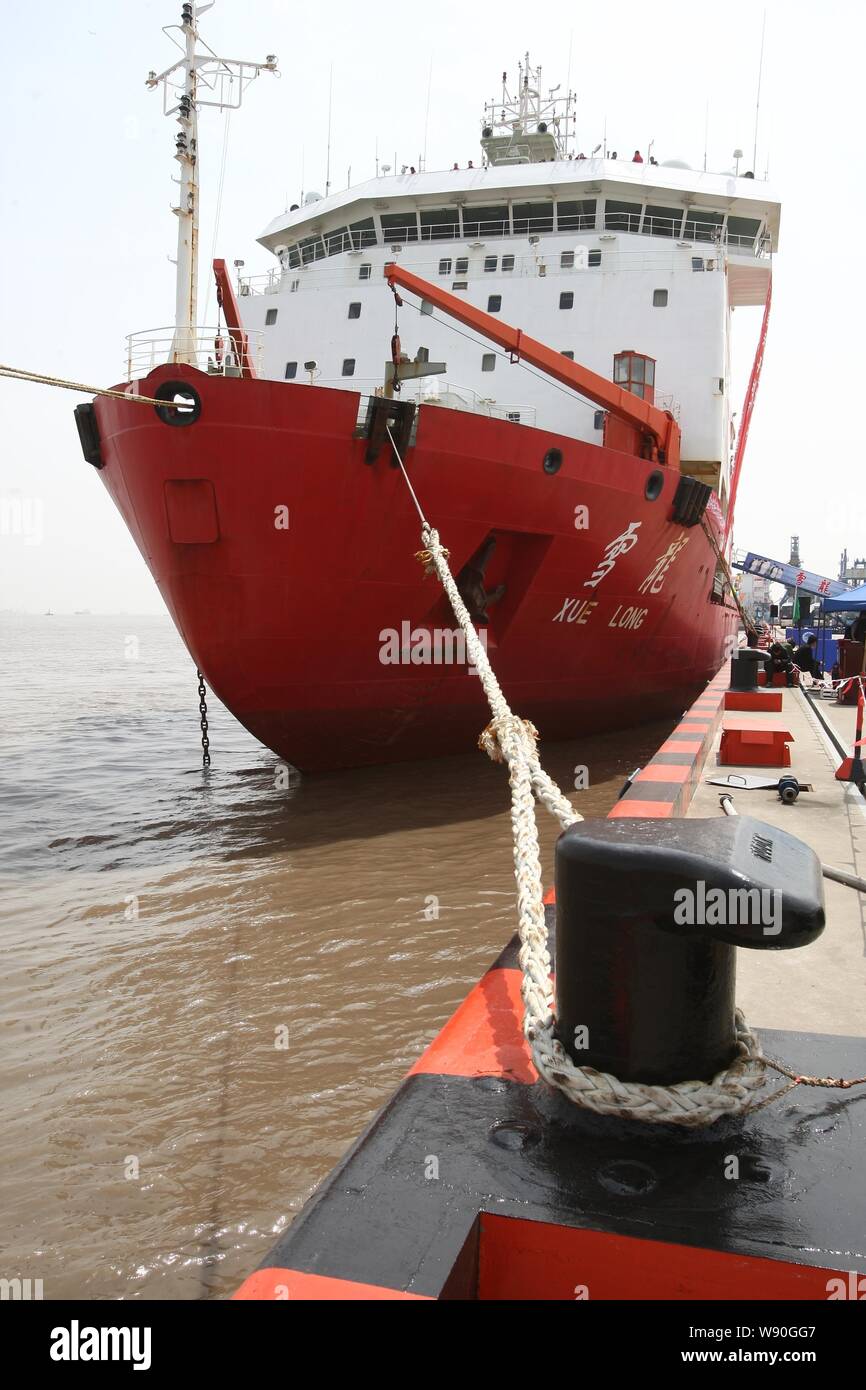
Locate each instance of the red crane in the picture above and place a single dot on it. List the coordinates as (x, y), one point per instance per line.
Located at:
(633, 425)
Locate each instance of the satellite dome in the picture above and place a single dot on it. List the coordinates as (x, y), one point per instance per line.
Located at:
(675, 164)
(312, 198)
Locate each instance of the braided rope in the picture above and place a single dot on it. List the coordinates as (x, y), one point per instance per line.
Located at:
(514, 741)
(19, 374)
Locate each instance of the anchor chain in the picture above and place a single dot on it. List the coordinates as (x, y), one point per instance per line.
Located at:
(202, 705)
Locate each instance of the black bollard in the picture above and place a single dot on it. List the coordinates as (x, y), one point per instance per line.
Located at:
(744, 668)
(648, 917)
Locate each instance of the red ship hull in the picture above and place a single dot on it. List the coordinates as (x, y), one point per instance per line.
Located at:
(285, 560)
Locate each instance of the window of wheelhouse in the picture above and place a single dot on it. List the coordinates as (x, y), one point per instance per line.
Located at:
(294, 257)
(489, 221)
(742, 231)
(576, 216)
(337, 241)
(439, 224)
(399, 226)
(621, 217)
(362, 233)
(702, 226)
(531, 218)
(311, 249)
(661, 221)
(635, 372)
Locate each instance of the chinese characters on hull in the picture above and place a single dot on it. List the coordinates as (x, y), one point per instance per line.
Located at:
(612, 551)
(580, 610)
(657, 575)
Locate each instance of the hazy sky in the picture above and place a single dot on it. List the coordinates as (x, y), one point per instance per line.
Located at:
(86, 226)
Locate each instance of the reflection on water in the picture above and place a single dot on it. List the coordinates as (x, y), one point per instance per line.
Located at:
(165, 932)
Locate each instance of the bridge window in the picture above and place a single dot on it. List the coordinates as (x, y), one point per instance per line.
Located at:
(492, 221)
(399, 226)
(531, 218)
(294, 287)
(594, 258)
(355, 310)
(445, 266)
(439, 224)
(461, 265)
(660, 299)
(460, 284)
(364, 272)
(566, 260)
(348, 366)
(566, 300)
(494, 303)
(576, 216)
(363, 233)
(337, 241)
(311, 249)
(291, 371)
(507, 262)
(658, 221)
(491, 262)
(488, 362)
(271, 317)
(742, 230)
(702, 226)
(598, 420)
(621, 217)
(697, 262)
(294, 258)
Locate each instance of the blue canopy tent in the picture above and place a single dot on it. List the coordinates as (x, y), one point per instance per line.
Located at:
(852, 602)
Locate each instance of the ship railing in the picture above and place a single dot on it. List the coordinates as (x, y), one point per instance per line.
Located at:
(210, 349)
(403, 235)
(452, 266)
(434, 391)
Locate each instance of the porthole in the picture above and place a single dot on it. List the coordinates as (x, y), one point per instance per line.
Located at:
(186, 406)
(552, 461)
(654, 484)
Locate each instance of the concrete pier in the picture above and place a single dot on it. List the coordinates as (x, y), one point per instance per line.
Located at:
(821, 990)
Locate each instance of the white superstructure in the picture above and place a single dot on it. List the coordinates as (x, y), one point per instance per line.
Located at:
(592, 256)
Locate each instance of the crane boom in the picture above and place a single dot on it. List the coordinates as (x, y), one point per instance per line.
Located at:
(655, 433)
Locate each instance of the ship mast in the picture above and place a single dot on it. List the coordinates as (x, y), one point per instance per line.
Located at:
(199, 79)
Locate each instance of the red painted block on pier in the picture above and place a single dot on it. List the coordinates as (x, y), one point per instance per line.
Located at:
(755, 748)
(754, 699)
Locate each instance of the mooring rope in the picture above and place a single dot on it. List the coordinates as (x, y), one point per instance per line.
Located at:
(18, 374)
(510, 739)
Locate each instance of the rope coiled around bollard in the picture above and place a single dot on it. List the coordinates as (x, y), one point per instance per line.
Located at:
(512, 740)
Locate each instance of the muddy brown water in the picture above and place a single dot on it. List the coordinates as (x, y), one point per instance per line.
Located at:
(163, 934)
